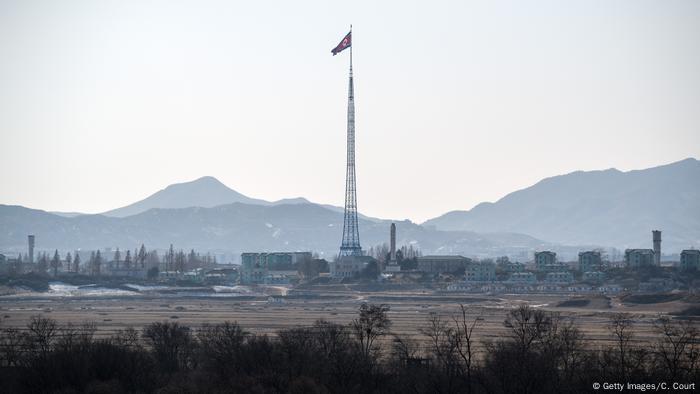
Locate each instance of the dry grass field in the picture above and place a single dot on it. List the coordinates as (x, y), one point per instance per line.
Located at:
(410, 310)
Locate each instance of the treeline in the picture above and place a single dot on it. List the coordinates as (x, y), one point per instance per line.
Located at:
(540, 353)
(382, 253)
(406, 256)
(97, 263)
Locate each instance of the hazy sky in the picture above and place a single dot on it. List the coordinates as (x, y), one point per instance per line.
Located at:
(104, 102)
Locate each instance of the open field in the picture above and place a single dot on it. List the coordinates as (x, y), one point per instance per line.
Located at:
(256, 313)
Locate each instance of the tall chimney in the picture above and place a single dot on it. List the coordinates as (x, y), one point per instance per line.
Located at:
(30, 240)
(392, 242)
(656, 235)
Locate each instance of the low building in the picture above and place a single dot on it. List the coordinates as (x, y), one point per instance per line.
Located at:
(442, 264)
(348, 266)
(391, 268)
(276, 279)
(195, 275)
(5, 267)
(253, 276)
(589, 261)
(594, 276)
(544, 258)
(560, 277)
(513, 267)
(275, 300)
(221, 276)
(480, 272)
(255, 266)
(556, 267)
(281, 277)
(657, 285)
(277, 261)
(285, 261)
(690, 260)
(637, 258)
(169, 276)
(610, 289)
(522, 277)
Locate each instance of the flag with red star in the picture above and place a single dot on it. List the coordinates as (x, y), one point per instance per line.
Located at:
(345, 43)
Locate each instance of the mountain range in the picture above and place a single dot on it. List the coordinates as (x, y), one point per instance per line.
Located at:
(204, 192)
(608, 207)
(234, 228)
(593, 208)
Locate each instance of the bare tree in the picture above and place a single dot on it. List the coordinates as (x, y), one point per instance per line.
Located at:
(180, 261)
(98, 263)
(42, 264)
(443, 352)
(404, 349)
(127, 260)
(55, 263)
(73, 337)
(172, 345)
(76, 263)
(117, 257)
(127, 337)
(621, 329)
(677, 349)
(464, 341)
(570, 349)
(69, 260)
(11, 344)
(142, 256)
(221, 344)
(527, 325)
(439, 334)
(41, 334)
(369, 326)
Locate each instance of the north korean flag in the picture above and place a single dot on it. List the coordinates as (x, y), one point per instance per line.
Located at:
(345, 43)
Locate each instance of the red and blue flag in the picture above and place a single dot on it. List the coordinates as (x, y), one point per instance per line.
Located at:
(345, 43)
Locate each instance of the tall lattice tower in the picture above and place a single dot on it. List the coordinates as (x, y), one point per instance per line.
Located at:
(350, 246)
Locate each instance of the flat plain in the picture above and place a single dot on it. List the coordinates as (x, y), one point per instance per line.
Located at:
(266, 314)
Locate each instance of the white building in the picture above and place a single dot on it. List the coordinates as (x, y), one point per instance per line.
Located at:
(522, 277)
(348, 266)
(480, 272)
(560, 277)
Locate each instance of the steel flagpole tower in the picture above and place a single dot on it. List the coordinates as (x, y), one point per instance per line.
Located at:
(350, 245)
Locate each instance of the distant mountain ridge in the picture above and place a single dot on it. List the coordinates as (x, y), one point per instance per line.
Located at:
(595, 208)
(607, 207)
(204, 192)
(238, 227)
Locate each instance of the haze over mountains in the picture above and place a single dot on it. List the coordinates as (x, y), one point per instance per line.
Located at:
(204, 192)
(234, 228)
(607, 207)
(600, 208)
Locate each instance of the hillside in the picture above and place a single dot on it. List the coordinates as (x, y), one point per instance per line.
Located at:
(204, 192)
(234, 228)
(609, 207)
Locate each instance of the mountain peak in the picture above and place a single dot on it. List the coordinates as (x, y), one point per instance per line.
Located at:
(206, 179)
(608, 207)
(202, 181)
(294, 200)
(205, 192)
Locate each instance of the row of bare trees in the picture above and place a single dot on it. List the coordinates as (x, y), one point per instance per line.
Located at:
(540, 352)
(140, 259)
